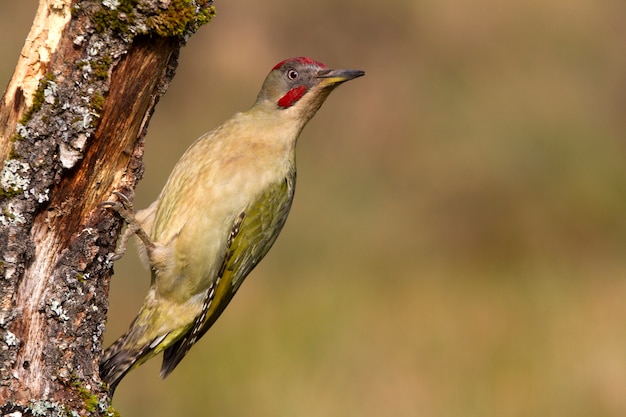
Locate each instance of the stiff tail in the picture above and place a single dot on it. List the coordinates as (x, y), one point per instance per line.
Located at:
(172, 356)
(124, 355)
(176, 351)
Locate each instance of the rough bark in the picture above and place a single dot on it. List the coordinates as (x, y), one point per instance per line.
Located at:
(72, 122)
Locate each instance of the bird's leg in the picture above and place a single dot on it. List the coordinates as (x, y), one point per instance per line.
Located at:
(124, 207)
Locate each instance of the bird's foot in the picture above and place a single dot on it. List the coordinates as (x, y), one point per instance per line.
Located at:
(124, 208)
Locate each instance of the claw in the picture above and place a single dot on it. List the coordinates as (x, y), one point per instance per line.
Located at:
(122, 205)
(124, 208)
(124, 198)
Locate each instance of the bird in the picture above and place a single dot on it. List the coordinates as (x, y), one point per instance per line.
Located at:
(219, 213)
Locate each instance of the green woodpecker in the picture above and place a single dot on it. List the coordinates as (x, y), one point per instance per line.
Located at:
(219, 213)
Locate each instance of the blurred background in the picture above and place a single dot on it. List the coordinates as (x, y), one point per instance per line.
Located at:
(457, 245)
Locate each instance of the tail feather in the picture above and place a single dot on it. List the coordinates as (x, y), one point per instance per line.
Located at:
(121, 357)
(176, 351)
(115, 363)
(172, 357)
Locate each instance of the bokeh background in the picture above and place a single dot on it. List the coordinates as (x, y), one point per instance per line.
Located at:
(457, 245)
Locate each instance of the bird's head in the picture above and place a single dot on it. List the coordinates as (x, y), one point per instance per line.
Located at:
(298, 86)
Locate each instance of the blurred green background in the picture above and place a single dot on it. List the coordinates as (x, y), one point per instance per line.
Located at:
(457, 245)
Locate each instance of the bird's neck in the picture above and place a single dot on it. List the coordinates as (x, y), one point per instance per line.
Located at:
(277, 127)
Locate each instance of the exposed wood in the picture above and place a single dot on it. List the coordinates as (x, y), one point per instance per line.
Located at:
(39, 47)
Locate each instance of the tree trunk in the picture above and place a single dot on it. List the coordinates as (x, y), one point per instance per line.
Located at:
(72, 123)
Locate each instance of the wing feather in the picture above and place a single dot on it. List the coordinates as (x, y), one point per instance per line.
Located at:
(252, 235)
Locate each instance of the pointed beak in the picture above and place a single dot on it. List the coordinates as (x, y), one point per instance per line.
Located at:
(335, 77)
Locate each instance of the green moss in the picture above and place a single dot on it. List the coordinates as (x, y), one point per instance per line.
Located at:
(97, 101)
(117, 20)
(38, 98)
(180, 17)
(8, 194)
(90, 400)
(100, 69)
(111, 412)
(13, 154)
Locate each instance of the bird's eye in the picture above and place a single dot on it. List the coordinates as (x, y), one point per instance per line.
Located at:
(292, 74)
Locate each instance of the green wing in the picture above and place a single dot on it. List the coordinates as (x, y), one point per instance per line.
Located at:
(254, 232)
